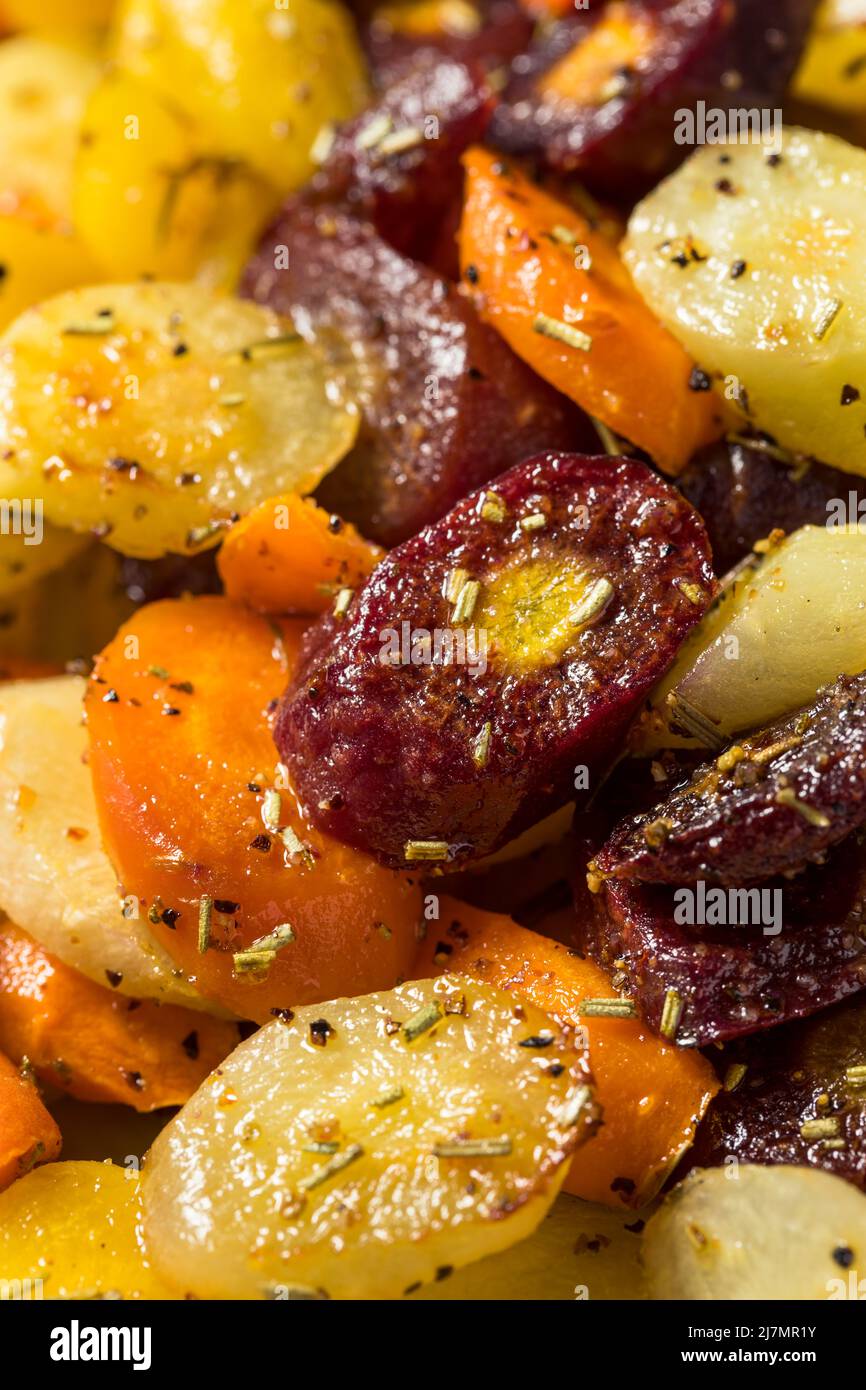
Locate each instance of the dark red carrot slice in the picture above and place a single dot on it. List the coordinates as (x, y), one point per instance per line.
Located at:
(768, 805)
(444, 402)
(742, 964)
(487, 671)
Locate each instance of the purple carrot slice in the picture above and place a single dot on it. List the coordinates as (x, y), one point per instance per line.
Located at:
(445, 404)
(744, 492)
(768, 805)
(487, 671)
(705, 55)
(795, 1095)
(699, 984)
(398, 164)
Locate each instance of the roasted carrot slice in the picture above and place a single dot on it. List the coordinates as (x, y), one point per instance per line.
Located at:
(98, 1045)
(28, 1134)
(202, 825)
(615, 44)
(289, 555)
(652, 1095)
(560, 296)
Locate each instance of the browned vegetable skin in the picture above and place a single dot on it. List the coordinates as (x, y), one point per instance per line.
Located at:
(746, 490)
(487, 671)
(770, 804)
(794, 1095)
(708, 964)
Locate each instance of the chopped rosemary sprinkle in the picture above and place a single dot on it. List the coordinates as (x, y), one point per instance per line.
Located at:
(592, 603)
(327, 1170)
(734, 1075)
(261, 347)
(281, 936)
(400, 141)
(425, 849)
(827, 1128)
(497, 1147)
(694, 722)
(481, 746)
(294, 846)
(574, 1107)
(205, 912)
(374, 131)
(534, 522)
(421, 1022)
(252, 962)
(104, 322)
(493, 508)
(608, 1008)
(389, 1097)
(827, 317)
(454, 583)
(672, 1012)
(787, 797)
(855, 1076)
(272, 807)
(693, 592)
(159, 671)
(564, 236)
(323, 144)
(565, 333)
(466, 601)
(262, 952)
(342, 601)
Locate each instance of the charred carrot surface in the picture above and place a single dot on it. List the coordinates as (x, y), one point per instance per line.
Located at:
(560, 296)
(289, 555)
(98, 1045)
(28, 1134)
(202, 825)
(652, 1095)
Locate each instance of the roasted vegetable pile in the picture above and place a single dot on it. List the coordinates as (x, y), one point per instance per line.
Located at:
(433, 648)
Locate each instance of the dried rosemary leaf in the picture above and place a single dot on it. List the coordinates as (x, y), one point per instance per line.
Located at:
(563, 332)
(425, 849)
(498, 1147)
(786, 796)
(466, 601)
(422, 1021)
(672, 1012)
(329, 1169)
(205, 914)
(608, 1008)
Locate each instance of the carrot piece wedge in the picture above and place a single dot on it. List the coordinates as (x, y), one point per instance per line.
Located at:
(289, 555)
(560, 296)
(28, 1134)
(202, 824)
(98, 1045)
(652, 1094)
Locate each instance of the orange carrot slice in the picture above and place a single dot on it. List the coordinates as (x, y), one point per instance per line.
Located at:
(28, 1134)
(289, 555)
(98, 1045)
(652, 1094)
(560, 296)
(201, 822)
